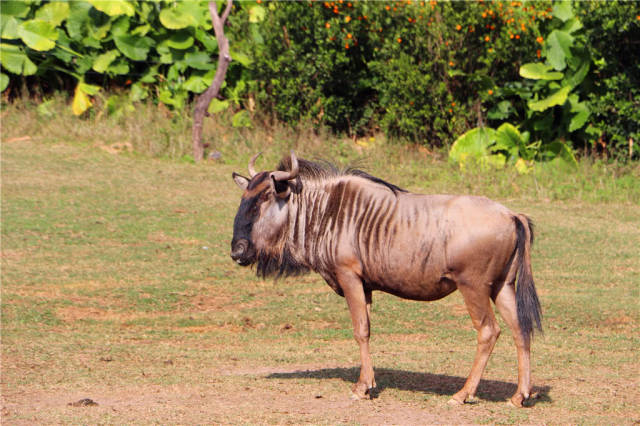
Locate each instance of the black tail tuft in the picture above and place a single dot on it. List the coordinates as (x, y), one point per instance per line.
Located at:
(528, 305)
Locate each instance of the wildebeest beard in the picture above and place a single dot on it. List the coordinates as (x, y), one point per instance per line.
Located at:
(283, 264)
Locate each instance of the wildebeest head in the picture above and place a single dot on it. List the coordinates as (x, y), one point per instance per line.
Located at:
(263, 211)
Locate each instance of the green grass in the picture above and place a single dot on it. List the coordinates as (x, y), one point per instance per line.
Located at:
(117, 285)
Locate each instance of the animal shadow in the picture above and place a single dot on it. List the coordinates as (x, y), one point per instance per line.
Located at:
(439, 384)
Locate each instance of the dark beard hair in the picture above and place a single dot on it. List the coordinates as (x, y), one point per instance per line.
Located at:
(283, 265)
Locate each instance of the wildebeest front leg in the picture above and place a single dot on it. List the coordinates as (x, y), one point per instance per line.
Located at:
(359, 302)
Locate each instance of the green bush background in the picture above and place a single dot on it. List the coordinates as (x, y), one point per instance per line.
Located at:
(419, 71)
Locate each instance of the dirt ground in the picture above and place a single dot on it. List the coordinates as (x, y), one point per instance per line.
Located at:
(259, 395)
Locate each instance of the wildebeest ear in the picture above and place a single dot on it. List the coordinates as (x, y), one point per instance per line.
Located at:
(280, 187)
(240, 180)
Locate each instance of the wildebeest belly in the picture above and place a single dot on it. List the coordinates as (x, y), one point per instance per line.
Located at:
(434, 242)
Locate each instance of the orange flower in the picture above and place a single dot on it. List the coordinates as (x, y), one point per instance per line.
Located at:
(387, 7)
(458, 27)
(450, 111)
(346, 46)
(399, 40)
(510, 35)
(453, 104)
(490, 92)
(327, 25)
(486, 38)
(517, 36)
(335, 10)
(347, 19)
(540, 40)
(258, 1)
(349, 35)
(538, 53)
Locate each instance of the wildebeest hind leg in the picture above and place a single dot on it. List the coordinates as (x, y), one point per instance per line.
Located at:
(479, 306)
(506, 303)
(359, 303)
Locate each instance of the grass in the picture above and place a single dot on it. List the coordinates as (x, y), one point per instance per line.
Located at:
(117, 286)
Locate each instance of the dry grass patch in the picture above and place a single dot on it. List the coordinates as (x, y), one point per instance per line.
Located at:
(108, 293)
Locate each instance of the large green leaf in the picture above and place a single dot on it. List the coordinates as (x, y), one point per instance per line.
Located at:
(572, 25)
(539, 71)
(577, 77)
(38, 35)
(559, 48)
(557, 98)
(54, 12)
(81, 101)
(102, 62)
(561, 153)
(8, 27)
(15, 60)
(4, 81)
(114, 7)
(198, 82)
(582, 113)
(179, 40)
(133, 47)
(78, 19)
(199, 60)
(562, 10)
(14, 8)
(473, 144)
(176, 18)
(508, 138)
(208, 41)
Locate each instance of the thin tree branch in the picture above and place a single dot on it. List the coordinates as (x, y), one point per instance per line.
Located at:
(224, 58)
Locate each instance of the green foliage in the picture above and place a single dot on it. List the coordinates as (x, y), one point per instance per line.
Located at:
(165, 47)
(417, 70)
(425, 71)
(614, 95)
(551, 105)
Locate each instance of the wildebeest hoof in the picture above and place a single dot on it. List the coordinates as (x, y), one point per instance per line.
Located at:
(471, 400)
(516, 400)
(360, 391)
(454, 402)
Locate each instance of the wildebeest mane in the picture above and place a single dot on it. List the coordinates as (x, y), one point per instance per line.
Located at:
(323, 169)
(283, 265)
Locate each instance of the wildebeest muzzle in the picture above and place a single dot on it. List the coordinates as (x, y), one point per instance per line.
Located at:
(242, 252)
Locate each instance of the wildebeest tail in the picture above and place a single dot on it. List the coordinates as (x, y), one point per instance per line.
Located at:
(528, 304)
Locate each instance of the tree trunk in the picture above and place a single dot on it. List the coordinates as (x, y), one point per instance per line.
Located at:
(203, 100)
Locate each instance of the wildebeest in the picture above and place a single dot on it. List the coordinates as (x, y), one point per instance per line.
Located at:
(362, 234)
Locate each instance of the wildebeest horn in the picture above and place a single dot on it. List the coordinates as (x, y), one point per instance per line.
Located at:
(252, 163)
(281, 175)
